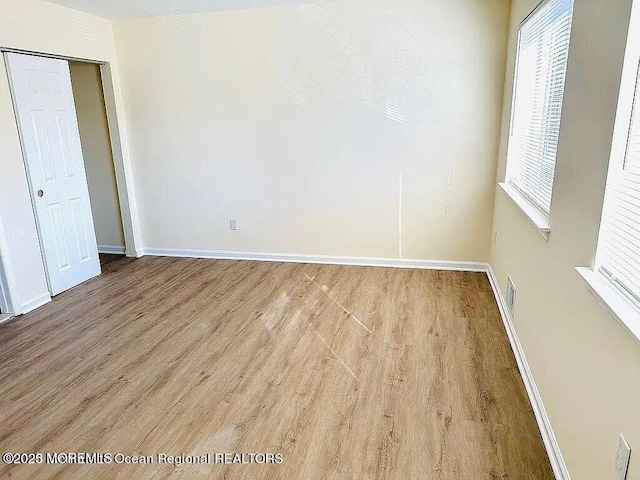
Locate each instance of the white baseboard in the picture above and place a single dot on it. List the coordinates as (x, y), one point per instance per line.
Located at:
(322, 259)
(544, 424)
(112, 249)
(34, 303)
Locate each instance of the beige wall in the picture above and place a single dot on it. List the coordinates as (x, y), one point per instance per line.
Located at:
(40, 26)
(585, 365)
(298, 120)
(96, 150)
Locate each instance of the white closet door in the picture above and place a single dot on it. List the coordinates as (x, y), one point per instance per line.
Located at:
(46, 115)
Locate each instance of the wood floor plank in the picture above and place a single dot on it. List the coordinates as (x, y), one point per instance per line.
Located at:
(348, 372)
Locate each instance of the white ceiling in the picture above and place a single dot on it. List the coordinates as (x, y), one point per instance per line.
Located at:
(159, 8)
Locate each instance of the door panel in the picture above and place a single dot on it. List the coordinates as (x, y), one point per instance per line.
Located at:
(45, 111)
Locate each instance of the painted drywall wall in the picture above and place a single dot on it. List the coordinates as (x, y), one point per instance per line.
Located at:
(40, 26)
(364, 128)
(96, 151)
(586, 366)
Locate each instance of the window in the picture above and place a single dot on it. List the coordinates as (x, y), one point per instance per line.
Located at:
(541, 65)
(618, 255)
(615, 278)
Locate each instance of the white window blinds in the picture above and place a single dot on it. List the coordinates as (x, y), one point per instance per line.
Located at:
(619, 248)
(543, 49)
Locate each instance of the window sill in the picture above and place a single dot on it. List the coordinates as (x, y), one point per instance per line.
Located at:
(532, 213)
(613, 301)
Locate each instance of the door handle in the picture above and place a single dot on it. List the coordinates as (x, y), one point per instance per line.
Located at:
(40, 193)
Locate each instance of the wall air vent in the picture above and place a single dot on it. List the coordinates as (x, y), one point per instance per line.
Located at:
(511, 296)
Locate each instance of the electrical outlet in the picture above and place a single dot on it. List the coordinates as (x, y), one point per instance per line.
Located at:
(622, 458)
(233, 224)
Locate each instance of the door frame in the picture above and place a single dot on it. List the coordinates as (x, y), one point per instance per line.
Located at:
(9, 301)
(122, 165)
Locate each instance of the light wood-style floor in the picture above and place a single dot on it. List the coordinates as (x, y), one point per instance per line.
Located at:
(348, 372)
